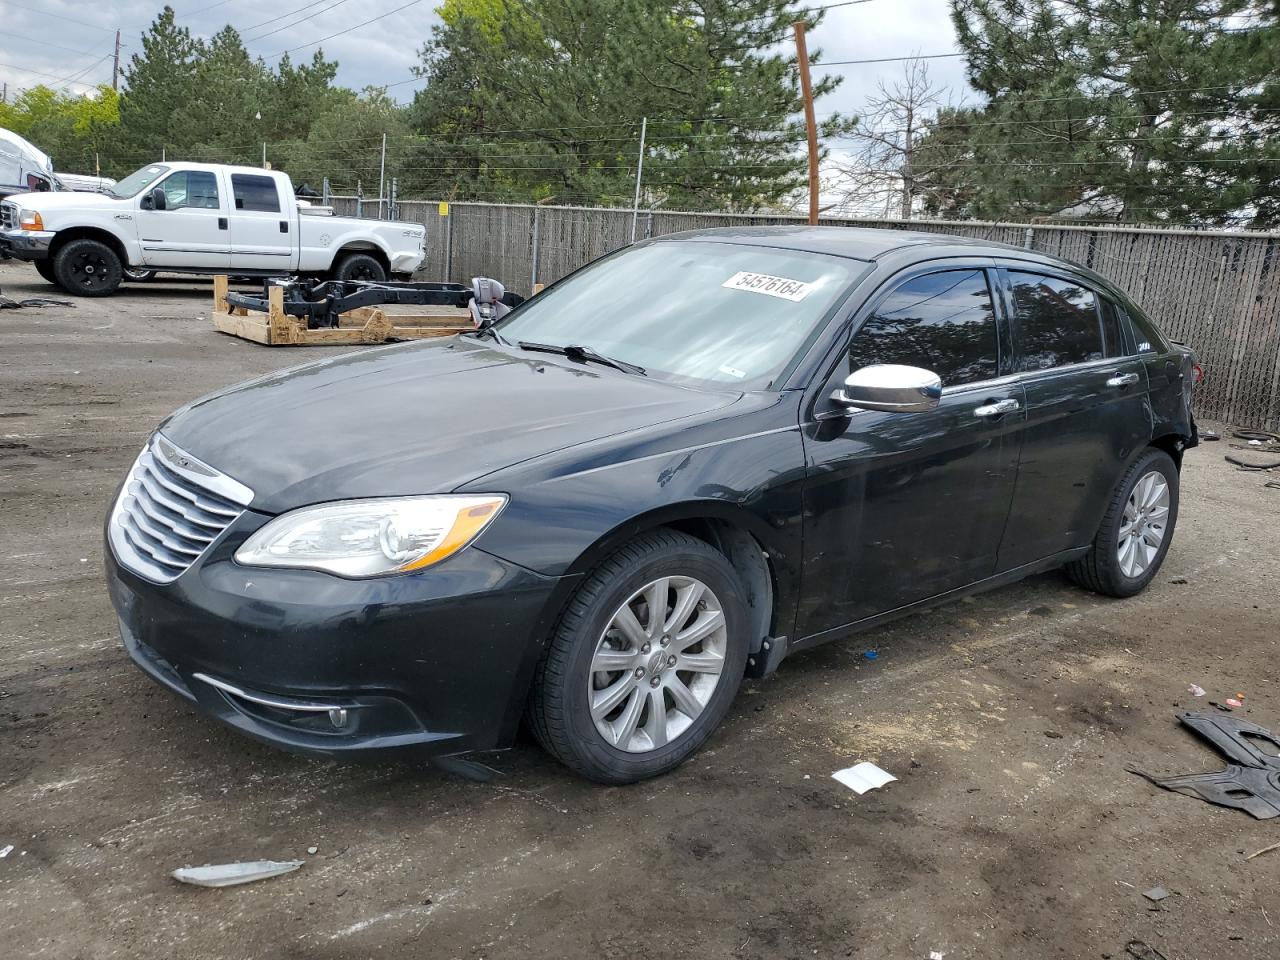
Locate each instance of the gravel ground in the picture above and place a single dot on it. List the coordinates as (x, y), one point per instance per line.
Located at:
(1013, 830)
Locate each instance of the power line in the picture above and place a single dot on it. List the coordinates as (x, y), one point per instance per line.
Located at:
(849, 63)
(46, 43)
(350, 29)
(54, 77)
(294, 23)
(281, 16)
(57, 16)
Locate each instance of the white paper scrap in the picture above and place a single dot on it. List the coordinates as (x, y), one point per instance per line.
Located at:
(5, 851)
(863, 777)
(781, 287)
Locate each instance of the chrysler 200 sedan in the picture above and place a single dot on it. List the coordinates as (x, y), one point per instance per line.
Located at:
(668, 471)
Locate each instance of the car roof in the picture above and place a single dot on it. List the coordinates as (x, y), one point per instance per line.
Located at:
(860, 243)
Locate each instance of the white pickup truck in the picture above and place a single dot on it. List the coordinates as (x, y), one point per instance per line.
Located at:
(198, 218)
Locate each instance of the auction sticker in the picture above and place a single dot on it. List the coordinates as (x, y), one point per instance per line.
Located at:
(781, 287)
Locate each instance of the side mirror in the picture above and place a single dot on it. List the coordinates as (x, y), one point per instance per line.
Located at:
(892, 387)
(155, 200)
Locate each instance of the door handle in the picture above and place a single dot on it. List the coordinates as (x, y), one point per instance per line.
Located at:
(1122, 380)
(284, 226)
(997, 409)
(222, 223)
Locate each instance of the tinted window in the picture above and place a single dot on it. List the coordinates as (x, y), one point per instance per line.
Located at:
(1057, 321)
(255, 193)
(191, 188)
(1144, 334)
(943, 322)
(1112, 330)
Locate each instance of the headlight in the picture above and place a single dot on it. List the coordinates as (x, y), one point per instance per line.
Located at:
(30, 220)
(370, 538)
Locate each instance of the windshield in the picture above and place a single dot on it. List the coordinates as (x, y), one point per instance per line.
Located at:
(136, 182)
(704, 310)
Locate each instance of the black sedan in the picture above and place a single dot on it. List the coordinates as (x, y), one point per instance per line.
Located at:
(666, 472)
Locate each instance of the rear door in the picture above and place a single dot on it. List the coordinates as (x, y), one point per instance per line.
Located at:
(1086, 410)
(191, 231)
(262, 224)
(903, 506)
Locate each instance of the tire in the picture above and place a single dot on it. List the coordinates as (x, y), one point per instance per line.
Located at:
(564, 681)
(1114, 564)
(359, 266)
(45, 269)
(139, 276)
(87, 268)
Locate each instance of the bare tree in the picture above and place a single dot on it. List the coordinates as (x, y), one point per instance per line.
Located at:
(883, 170)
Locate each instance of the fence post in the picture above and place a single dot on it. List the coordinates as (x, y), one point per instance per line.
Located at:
(533, 252)
(395, 183)
(359, 198)
(448, 245)
(635, 205)
(1028, 239)
(324, 191)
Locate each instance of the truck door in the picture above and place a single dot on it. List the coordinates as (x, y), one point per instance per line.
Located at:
(191, 230)
(262, 224)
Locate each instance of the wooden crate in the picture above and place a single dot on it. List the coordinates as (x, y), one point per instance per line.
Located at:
(364, 325)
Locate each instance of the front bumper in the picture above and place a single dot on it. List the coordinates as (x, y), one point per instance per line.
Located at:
(440, 660)
(26, 244)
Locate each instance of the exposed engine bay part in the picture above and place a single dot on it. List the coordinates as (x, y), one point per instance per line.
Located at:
(1251, 782)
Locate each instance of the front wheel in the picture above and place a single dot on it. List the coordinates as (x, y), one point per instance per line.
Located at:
(1136, 530)
(45, 269)
(87, 268)
(645, 661)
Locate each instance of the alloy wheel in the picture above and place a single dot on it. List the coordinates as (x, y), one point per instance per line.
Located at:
(657, 664)
(1143, 526)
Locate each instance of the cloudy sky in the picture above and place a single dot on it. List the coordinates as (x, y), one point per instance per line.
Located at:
(68, 43)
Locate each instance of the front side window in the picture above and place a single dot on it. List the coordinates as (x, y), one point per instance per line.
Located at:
(728, 313)
(136, 182)
(944, 322)
(191, 188)
(1058, 321)
(255, 193)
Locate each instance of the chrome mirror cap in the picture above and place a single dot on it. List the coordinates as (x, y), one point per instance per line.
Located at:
(892, 387)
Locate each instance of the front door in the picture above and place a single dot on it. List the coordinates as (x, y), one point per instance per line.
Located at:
(263, 225)
(1087, 411)
(191, 230)
(900, 507)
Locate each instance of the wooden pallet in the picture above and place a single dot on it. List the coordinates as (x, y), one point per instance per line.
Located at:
(364, 325)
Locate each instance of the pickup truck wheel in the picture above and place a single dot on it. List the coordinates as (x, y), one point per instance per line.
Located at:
(45, 269)
(87, 268)
(645, 661)
(359, 266)
(139, 276)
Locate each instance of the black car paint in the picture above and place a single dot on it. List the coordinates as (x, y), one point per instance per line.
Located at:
(861, 517)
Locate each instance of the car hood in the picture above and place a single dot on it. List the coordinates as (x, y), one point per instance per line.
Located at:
(72, 200)
(415, 418)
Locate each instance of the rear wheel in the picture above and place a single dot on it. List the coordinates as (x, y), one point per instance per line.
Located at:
(645, 661)
(45, 269)
(359, 266)
(139, 276)
(1136, 530)
(87, 268)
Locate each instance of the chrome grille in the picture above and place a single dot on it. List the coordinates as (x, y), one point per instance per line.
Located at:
(171, 509)
(8, 216)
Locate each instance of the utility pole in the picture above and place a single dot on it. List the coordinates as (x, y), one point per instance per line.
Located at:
(382, 173)
(635, 206)
(806, 88)
(115, 65)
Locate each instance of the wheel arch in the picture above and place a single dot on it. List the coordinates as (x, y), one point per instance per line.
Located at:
(361, 246)
(70, 234)
(1174, 444)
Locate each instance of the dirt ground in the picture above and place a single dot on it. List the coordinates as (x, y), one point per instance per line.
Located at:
(1013, 830)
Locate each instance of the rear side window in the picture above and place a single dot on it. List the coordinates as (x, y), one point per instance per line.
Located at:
(1113, 323)
(191, 188)
(255, 193)
(1058, 321)
(944, 322)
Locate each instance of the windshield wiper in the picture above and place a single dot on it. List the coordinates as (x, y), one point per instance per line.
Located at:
(576, 351)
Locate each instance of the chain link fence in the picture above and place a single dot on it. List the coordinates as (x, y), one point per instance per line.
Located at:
(1218, 291)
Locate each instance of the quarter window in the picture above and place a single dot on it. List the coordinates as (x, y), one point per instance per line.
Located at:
(944, 322)
(255, 193)
(191, 188)
(1112, 330)
(1057, 321)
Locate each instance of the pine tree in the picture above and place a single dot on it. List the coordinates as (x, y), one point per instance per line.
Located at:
(544, 99)
(160, 82)
(1142, 110)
